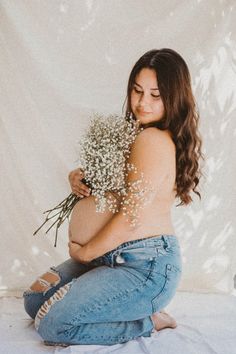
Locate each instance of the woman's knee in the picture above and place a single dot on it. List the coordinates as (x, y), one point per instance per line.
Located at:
(46, 281)
(40, 291)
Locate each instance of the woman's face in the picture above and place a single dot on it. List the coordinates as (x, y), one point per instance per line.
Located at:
(146, 103)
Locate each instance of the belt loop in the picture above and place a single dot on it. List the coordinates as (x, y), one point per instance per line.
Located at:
(165, 238)
(112, 259)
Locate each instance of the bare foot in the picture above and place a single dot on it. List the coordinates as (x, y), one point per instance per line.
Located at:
(163, 320)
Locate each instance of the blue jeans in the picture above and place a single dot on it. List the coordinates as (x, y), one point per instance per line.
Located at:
(111, 299)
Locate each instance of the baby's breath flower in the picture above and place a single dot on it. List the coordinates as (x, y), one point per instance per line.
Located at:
(138, 194)
(104, 152)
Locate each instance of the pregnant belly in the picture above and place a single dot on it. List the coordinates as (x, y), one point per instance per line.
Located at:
(85, 222)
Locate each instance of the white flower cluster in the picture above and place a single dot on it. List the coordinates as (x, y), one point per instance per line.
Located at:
(139, 193)
(104, 151)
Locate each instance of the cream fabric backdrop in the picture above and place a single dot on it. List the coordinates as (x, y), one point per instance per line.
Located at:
(63, 60)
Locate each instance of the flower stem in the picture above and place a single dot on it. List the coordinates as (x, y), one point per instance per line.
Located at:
(65, 207)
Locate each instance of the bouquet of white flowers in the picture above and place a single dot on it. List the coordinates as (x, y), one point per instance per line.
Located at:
(104, 151)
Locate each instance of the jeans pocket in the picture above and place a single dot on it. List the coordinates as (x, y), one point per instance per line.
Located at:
(136, 254)
(138, 261)
(168, 290)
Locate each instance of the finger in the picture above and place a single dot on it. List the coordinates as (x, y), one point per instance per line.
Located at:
(84, 190)
(70, 176)
(78, 192)
(75, 174)
(81, 188)
(79, 195)
(79, 174)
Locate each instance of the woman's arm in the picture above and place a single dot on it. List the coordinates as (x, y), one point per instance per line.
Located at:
(149, 154)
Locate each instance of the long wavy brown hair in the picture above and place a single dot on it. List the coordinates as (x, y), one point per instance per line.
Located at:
(181, 115)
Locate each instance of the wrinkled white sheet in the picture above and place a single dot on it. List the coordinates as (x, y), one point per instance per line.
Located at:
(60, 61)
(206, 325)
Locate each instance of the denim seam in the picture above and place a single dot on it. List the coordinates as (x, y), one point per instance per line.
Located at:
(29, 292)
(169, 268)
(127, 338)
(100, 306)
(114, 337)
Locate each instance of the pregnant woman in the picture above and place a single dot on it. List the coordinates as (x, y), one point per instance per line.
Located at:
(119, 278)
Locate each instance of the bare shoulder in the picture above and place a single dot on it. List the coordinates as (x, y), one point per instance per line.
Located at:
(155, 138)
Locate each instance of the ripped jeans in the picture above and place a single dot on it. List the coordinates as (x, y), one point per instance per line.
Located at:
(111, 299)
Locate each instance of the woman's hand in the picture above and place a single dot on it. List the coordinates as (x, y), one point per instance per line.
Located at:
(75, 251)
(78, 188)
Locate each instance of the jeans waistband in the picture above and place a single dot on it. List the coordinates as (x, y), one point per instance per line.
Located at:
(168, 240)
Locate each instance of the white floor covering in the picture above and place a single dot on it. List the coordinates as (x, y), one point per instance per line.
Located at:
(206, 325)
